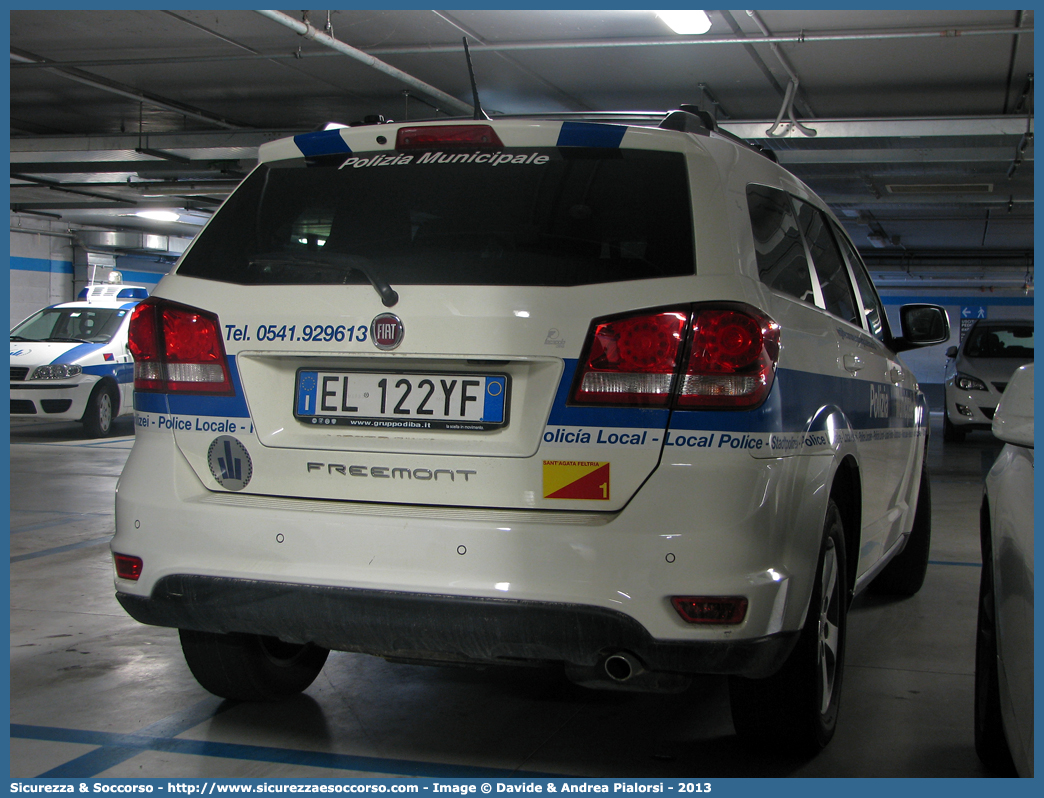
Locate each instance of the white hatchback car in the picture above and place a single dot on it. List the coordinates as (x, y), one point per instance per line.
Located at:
(70, 362)
(979, 370)
(524, 391)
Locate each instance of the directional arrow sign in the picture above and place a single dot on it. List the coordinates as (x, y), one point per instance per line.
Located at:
(973, 312)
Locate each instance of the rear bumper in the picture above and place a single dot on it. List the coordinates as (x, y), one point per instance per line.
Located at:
(439, 628)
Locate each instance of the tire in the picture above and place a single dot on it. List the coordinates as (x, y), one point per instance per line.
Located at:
(250, 667)
(796, 708)
(904, 575)
(101, 410)
(990, 743)
(951, 432)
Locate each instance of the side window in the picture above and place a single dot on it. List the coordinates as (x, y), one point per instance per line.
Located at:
(830, 266)
(873, 310)
(781, 254)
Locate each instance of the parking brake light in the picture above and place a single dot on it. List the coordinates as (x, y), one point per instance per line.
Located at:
(435, 136)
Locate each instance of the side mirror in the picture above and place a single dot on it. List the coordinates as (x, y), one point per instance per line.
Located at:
(951, 352)
(922, 325)
(1013, 420)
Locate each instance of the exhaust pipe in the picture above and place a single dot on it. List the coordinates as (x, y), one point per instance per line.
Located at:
(622, 666)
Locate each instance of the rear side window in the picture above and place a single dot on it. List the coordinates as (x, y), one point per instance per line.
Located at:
(830, 266)
(782, 264)
(556, 217)
(873, 309)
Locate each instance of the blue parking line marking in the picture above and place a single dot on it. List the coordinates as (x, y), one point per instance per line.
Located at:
(965, 564)
(60, 549)
(55, 522)
(116, 748)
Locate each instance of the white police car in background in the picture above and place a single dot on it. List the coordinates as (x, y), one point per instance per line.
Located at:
(514, 392)
(70, 362)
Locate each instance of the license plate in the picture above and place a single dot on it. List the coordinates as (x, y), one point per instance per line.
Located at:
(468, 402)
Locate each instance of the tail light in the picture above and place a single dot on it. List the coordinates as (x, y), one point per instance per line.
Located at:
(177, 349)
(732, 359)
(710, 609)
(127, 567)
(632, 361)
(703, 356)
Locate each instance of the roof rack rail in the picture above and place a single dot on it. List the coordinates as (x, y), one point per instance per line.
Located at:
(690, 119)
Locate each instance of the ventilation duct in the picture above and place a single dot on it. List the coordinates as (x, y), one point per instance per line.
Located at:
(133, 243)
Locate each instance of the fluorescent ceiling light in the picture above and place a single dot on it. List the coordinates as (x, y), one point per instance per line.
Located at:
(158, 216)
(686, 22)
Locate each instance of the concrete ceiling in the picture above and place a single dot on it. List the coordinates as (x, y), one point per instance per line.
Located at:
(922, 119)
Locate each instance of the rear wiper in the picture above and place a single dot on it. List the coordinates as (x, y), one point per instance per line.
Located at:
(334, 260)
(20, 338)
(67, 340)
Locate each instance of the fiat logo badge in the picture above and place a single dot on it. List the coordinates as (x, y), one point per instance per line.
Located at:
(386, 331)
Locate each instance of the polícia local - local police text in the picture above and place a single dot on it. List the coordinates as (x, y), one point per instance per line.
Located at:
(195, 423)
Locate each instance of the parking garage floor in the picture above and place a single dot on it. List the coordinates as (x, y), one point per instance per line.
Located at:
(94, 694)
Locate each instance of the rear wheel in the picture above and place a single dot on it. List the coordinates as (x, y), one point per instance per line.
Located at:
(904, 575)
(990, 743)
(101, 409)
(797, 707)
(250, 667)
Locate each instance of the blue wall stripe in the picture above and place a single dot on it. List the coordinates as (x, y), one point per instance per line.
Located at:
(141, 277)
(41, 265)
(975, 298)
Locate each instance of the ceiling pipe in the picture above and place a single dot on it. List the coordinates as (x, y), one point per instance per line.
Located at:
(780, 38)
(124, 91)
(309, 32)
(677, 41)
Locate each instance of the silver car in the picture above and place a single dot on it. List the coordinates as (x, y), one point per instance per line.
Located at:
(980, 370)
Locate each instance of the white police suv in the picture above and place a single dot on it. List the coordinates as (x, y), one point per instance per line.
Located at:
(517, 391)
(71, 362)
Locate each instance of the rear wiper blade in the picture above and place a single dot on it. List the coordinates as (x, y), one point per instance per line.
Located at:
(335, 260)
(20, 338)
(63, 339)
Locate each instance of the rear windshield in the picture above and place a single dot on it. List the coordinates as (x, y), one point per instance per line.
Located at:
(1015, 340)
(546, 217)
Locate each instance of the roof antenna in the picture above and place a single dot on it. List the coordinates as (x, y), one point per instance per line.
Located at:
(479, 113)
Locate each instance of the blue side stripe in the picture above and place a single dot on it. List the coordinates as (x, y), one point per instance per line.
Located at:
(590, 134)
(791, 406)
(639, 417)
(196, 404)
(77, 352)
(123, 373)
(324, 142)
